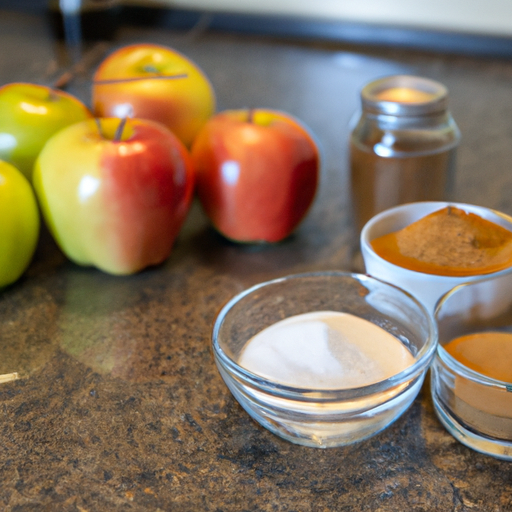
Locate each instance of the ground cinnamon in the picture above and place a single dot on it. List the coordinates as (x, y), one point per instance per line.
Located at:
(449, 242)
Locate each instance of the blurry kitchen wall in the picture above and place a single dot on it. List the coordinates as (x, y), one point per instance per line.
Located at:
(483, 17)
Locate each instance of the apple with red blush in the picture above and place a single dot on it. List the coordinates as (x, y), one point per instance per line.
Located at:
(154, 82)
(114, 194)
(257, 173)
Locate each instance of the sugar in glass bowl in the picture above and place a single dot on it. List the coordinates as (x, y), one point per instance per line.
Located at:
(324, 416)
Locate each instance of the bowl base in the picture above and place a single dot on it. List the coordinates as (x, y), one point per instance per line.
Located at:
(486, 445)
(326, 431)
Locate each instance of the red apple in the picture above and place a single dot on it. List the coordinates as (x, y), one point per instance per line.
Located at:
(154, 82)
(114, 197)
(29, 115)
(257, 173)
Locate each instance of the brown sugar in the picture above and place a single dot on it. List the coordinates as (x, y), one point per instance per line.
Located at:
(449, 242)
(488, 353)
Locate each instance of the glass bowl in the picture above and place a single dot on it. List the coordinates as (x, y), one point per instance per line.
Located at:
(314, 416)
(476, 409)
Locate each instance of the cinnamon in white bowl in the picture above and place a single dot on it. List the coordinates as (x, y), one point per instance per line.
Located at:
(450, 242)
(428, 248)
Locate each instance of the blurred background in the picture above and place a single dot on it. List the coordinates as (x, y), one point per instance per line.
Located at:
(476, 16)
(456, 26)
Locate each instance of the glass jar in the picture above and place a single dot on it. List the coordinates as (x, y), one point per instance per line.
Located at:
(403, 146)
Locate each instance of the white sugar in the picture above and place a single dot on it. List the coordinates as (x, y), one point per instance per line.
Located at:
(325, 349)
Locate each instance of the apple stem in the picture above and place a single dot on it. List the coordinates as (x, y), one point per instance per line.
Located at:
(151, 69)
(120, 128)
(250, 115)
(98, 124)
(52, 95)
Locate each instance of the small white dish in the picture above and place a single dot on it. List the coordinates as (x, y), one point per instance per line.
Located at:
(427, 288)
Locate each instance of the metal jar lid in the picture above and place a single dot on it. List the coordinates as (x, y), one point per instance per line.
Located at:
(404, 95)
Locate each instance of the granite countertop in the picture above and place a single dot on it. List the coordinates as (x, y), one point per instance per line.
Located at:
(120, 406)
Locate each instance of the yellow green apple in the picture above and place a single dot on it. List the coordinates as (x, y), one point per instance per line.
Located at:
(29, 115)
(19, 224)
(154, 82)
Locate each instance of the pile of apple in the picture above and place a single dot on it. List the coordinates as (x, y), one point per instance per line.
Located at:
(115, 183)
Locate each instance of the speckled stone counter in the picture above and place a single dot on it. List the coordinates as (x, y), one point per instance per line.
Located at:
(120, 406)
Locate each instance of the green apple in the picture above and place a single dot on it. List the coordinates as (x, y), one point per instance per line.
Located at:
(19, 224)
(29, 115)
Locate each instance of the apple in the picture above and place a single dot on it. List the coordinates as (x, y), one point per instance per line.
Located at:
(113, 193)
(257, 173)
(154, 82)
(29, 115)
(19, 223)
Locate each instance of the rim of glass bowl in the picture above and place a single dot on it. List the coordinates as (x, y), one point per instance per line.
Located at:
(423, 357)
(471, 208)
(449, 360)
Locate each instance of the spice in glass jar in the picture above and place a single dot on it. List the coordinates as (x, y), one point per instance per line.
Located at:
(403, 146)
